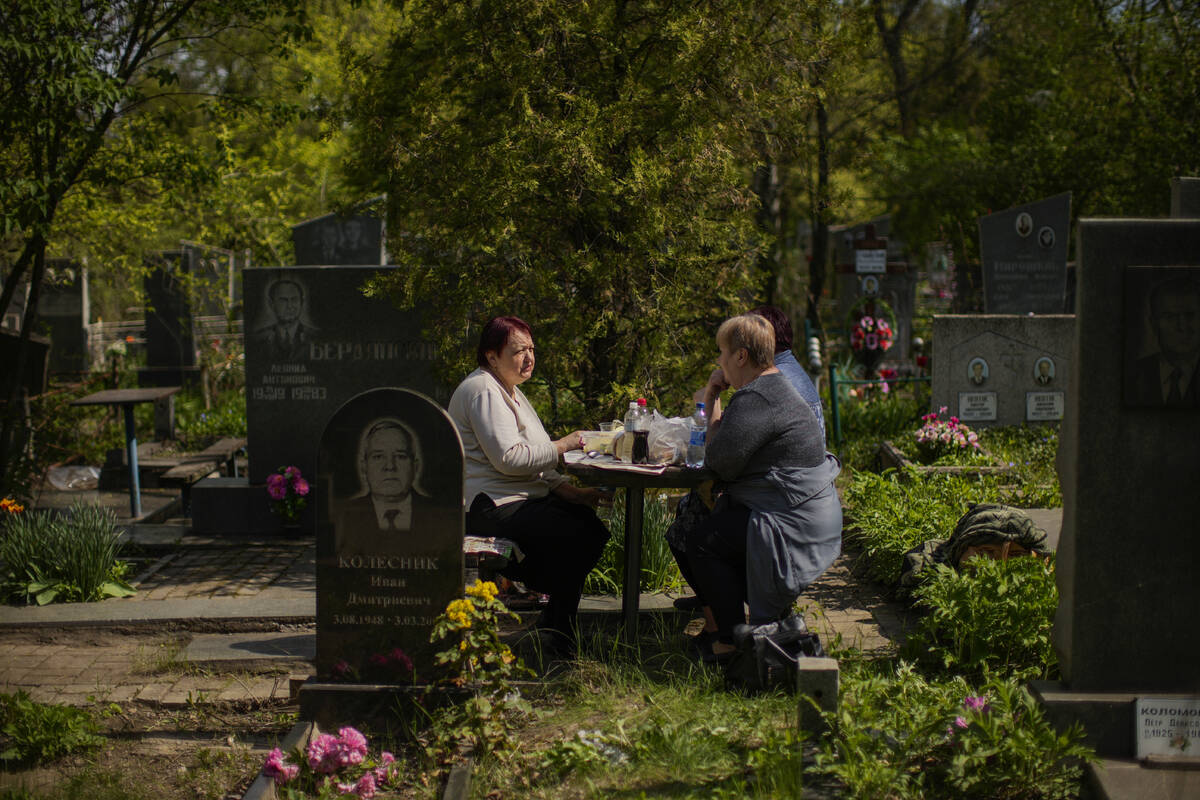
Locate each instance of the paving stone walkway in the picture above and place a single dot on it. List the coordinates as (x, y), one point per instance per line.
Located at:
(147, 649)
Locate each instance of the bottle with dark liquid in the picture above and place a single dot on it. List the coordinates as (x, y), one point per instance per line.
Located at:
(641, 433)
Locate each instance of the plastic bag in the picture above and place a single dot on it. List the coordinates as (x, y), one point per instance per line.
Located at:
(73, 478)
(669, 439)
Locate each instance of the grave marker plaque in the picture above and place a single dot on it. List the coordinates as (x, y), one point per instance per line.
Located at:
(882, 272)
(1002, 369)
(389, 536)
(312, 342)
(1025, 257)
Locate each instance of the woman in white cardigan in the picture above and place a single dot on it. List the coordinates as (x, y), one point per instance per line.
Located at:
(512, 487)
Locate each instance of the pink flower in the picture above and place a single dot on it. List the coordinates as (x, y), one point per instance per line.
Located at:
(300, 486)
(352, 746)
(960, 722)
(365, 788)
(977, 704)
(401, 658)
(323, 753)
(276, 487)
(386, 758)
(341, 668)
(378, 660)
(345, 788)
(291, 473)
(872, 341)
(277, 769)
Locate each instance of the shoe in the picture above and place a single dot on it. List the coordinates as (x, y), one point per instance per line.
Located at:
(700, 646)
(689, 603)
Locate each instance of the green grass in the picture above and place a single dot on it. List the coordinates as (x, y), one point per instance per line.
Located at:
(659, 571)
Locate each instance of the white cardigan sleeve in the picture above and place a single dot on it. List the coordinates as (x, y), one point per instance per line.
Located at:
(514, 442)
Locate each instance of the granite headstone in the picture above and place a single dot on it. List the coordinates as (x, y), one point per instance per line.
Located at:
(1025, 257)
(313, 341)
(1185, 198)
(997, 369)
(390, 523)
(63, 314)
(354, 239)
(37, 363)
(1128, 554)
(170, 335)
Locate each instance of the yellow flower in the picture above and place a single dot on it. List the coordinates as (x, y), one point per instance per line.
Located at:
(485, 590)
(462, 645)
(11, 506)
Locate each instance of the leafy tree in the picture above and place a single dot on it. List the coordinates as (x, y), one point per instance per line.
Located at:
(87, 90)
(586, 166)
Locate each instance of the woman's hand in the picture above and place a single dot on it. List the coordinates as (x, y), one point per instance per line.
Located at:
(572, 441)
(584, 497)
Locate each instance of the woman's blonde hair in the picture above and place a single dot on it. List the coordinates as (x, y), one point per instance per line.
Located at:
(753, 333)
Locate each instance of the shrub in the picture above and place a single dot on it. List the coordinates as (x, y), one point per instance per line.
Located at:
(992, 616)
(899, 735)
(71, 558)
(33, 732)
(889, 516)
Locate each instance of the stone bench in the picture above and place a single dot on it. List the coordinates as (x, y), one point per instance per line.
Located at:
(193, 467)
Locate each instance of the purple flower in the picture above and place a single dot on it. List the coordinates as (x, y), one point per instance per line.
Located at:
(961, 722)
(291, 473)
(979, 704)
(276, 486)
(300, 486)
(323, 753)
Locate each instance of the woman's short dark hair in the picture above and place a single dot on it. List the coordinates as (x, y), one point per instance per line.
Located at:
(495, 335)
(780, 322)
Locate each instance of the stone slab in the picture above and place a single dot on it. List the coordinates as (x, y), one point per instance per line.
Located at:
(234, 507)
(1124, 779)
(985, 366)
(227, 650)
(1126, 567)
(817, 681)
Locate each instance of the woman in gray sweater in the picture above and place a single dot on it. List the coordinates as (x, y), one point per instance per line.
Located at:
(778, 524)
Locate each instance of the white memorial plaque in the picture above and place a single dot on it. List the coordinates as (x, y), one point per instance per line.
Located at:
(977, 406)
(1041, 406)
(1167, 726)
(874, 261)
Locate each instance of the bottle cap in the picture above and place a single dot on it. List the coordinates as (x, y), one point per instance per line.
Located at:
(641, 401)
(700, 406)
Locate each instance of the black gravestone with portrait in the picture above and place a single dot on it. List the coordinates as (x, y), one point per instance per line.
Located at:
(1127, 555)
(1025, 257)
(340, 239)
(63, 314)
(313, 341)
(389, 536)
(887, 278)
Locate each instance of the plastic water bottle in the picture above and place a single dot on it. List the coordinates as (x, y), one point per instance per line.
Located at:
(699, 428)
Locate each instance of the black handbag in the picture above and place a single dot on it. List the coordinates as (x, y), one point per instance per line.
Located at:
(768, 655)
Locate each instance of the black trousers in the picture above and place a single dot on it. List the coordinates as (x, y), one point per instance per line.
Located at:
(562, 543)
(716, 554)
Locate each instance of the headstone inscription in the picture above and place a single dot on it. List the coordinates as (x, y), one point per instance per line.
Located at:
(63, 314)
(998, 369)
(354, 239)
(389, 536)
(1127, 556)
(313, 340)
(871, 264)
(1025, 257)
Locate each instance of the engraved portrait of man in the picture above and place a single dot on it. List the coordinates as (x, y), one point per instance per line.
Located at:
(391, 503)
(1169, 376)
(286, 337)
